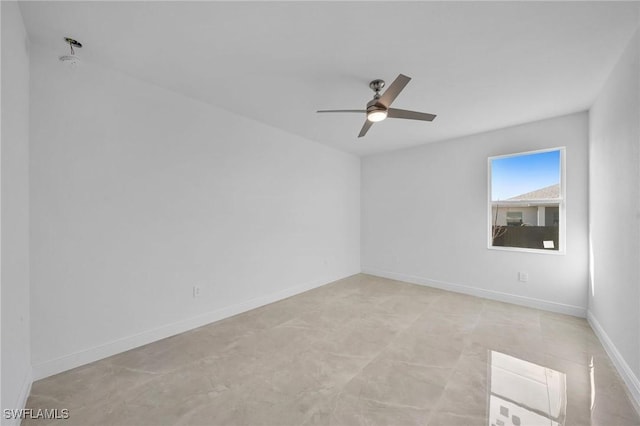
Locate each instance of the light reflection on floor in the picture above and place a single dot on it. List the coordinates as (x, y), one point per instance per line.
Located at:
(524, 393)
(592, 380)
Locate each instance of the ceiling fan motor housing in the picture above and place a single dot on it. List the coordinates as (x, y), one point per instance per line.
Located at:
(374, 105)
(376, 111)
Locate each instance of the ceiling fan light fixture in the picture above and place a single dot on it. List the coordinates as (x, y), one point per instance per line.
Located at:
(70, 60)
(376, 115)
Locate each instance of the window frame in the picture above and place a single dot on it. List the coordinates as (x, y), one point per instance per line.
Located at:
(562, 226)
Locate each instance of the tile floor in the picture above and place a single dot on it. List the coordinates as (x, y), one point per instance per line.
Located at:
(360, 351)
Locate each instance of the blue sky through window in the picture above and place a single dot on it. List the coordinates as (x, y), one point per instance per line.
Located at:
(519, 174)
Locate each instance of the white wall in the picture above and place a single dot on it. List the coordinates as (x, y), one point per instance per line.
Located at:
(139, 193)
(614, 206)
(424, 217)
(14, 226)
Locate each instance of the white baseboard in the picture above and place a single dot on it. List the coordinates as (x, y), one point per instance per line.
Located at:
(530, 302)
(96, 353)
(630, 379)
(21, 402)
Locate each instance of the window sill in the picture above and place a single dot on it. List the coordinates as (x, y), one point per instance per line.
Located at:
(528, 250)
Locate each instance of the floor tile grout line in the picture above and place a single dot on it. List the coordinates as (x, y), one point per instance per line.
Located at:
(385, 347)
(453, 370)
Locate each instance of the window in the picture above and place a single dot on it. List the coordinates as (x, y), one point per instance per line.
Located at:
(526, 201)
(514, 219)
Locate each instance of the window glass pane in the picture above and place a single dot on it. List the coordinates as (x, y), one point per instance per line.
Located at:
(526, 176)
(526, 200)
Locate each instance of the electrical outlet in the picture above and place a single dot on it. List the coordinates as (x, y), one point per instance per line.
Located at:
(523, 277)
(196, 291)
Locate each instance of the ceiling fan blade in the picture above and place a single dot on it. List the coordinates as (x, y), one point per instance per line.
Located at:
(411, 115)
(343, 110)
(394, 90)
(365, 128)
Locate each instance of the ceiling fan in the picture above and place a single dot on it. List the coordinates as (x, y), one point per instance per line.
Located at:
(379, 107)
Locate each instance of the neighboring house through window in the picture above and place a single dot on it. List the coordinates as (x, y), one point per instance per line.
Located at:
(526, 201)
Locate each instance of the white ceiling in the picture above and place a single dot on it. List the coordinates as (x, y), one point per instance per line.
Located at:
(478, 65)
